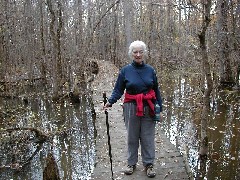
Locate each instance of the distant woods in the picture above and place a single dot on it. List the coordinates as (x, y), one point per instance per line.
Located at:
(54, 46)
(52, 42)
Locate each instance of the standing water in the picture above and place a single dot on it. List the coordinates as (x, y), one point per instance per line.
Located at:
(71, 133)
(70, 138)
(182, 125)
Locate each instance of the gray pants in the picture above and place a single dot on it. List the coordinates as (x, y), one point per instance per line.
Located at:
(139, 129)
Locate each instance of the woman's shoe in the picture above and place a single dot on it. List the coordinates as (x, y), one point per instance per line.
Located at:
(130, 169)
(150, 171)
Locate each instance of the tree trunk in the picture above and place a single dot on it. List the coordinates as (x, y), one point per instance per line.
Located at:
(235, 11)
(55, 32)
(208, 79)
(51, 171)
(127, 14)
(115, 37)
(29, 43)
(150, 37)
(43, 48)
(226, 76)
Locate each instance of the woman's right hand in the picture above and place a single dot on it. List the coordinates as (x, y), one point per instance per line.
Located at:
(107, 105)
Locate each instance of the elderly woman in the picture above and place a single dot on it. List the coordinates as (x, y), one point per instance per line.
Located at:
(139, 82)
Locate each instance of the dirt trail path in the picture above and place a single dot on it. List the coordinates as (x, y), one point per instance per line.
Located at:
(169, 163)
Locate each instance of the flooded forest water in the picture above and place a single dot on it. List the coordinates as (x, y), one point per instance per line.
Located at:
(71, 132)
(182, 125)
(70, 128)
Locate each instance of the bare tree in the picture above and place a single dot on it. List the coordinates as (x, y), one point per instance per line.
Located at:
(206, 6)
(235, 19)
(2, 44)
(43, 64)
(56, 25)
(226, 76)
(127, 6)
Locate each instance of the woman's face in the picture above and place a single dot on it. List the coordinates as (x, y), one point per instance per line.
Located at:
(138, 54)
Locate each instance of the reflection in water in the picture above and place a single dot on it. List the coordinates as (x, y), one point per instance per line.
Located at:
(182, 126)
(72, 146)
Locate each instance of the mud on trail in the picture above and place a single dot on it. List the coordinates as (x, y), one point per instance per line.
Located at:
(169, 163)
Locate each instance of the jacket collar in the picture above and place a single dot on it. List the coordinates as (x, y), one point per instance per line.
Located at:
(137, 65)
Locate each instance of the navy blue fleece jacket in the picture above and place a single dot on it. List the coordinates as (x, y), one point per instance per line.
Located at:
(136, 79)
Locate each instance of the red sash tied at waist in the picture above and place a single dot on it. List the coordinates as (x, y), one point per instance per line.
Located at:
(139, 100)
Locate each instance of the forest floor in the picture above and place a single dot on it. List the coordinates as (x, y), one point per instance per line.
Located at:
(169, 163)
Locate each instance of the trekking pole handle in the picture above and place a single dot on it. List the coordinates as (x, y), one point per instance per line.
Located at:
(104, 98)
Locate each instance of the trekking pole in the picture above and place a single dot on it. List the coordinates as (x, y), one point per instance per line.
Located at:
(108, 134)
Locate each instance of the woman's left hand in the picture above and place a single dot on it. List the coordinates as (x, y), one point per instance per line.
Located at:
(161, 116)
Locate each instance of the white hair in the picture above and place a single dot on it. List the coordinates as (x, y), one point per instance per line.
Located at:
(137, 44)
